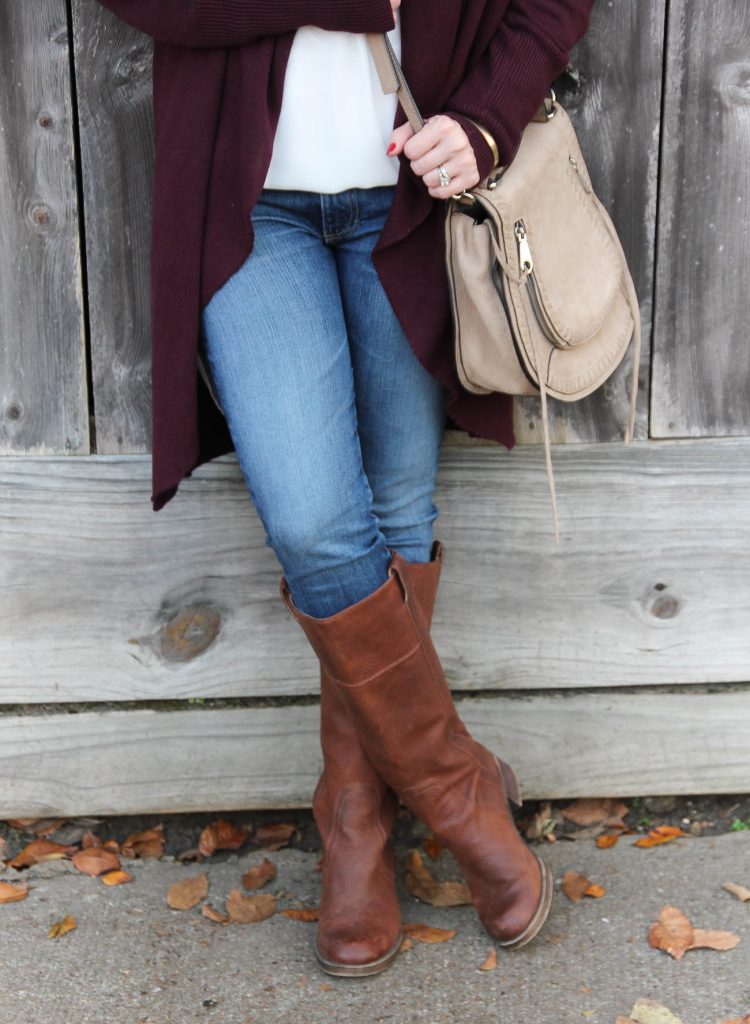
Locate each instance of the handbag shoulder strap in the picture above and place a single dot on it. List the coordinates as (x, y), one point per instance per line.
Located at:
(392, 79)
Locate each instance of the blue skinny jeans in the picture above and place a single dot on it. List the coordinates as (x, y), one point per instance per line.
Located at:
(336, 424)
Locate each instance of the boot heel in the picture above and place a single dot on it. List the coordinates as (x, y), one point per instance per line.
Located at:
(510, 781)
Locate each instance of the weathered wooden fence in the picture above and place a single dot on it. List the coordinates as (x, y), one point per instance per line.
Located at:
(146, 662)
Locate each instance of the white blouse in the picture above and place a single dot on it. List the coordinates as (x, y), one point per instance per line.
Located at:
(335, 120)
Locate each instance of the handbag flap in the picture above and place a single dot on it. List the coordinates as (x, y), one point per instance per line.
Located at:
(577, 268)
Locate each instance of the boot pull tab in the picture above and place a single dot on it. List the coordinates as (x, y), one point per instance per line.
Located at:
(397, 568)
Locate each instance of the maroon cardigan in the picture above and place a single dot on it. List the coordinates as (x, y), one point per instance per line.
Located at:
(218, 75)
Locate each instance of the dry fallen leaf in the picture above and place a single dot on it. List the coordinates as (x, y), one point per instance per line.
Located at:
(221, 835)
(67, 924)
(89, 839)
(117, 877)
(592, 810)
(491, 962)
(275, 834)
(673, 932)
(646, 1011)
(302, 913)
(420, 883)
(145, 844)
(737, 1020)
(39, 850)
(249, 909)
(607, 839)
(187, 892)
(10, 893)
(213, 914)
(259, 874)
(424, 933)
(432, 847)
(660, 834)
(737, 890)
(38, 826)
(576, 885)
(95, 860)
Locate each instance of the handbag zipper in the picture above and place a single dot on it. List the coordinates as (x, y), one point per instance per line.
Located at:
(526, 264)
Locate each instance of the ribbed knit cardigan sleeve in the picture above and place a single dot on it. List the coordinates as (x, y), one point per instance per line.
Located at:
(237, 22)
(506, 86)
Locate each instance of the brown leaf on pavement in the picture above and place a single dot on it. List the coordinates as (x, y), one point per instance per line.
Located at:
(737, 890)
(62, 927)
(660, 834)
(674, 933)
(275, 834)
(420, 883)
(221, 835)
(491, 962)
(39, 850)
(576, 885)
(607, 840)
(259, 874)
(302, 913)
(89, 839)
(187, 892)
(249, 909)
(432, 847)
(95, 861)
(10, 893)
(424, 933)
(213, 914)
(710, 938)
(145, 844)
(542, 823)
(592, 810)
(737, 1020)
(37, 826)
(117, 877)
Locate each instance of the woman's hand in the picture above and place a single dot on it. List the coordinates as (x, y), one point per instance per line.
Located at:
(441, 140)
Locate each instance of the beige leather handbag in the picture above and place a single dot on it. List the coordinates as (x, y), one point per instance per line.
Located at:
(543, 302)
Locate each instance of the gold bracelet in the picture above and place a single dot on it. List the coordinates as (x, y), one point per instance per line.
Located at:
(490, 142)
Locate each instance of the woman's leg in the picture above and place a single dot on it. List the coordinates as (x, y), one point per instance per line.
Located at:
(275, 341)
(400, 406)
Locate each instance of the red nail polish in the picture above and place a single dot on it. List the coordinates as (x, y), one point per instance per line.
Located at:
(390, 149)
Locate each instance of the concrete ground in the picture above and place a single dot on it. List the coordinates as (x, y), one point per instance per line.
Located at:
(133, 960)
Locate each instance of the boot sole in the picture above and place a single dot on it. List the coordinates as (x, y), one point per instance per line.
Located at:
(513, 792)
(540, 914)
(360, 970)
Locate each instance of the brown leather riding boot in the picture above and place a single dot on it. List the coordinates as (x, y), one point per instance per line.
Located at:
(359, 930)
(379, 654)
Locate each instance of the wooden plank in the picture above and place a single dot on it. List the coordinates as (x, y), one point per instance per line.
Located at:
(101, 599)
(113, 87)
(584, 744)
(701, 364)
(43, 390)
(614, 98)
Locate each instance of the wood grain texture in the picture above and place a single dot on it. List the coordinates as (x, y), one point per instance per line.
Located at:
(113, 85)
(102, 599)
(43, 392)
(613, 96)
(701, 360)
(144, 761)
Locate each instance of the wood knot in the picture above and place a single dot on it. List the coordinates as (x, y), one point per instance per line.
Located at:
(660, 604)
(189, 631)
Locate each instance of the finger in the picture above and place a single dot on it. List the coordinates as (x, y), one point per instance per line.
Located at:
(438, 131)
(399, 136)
(461, 177)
